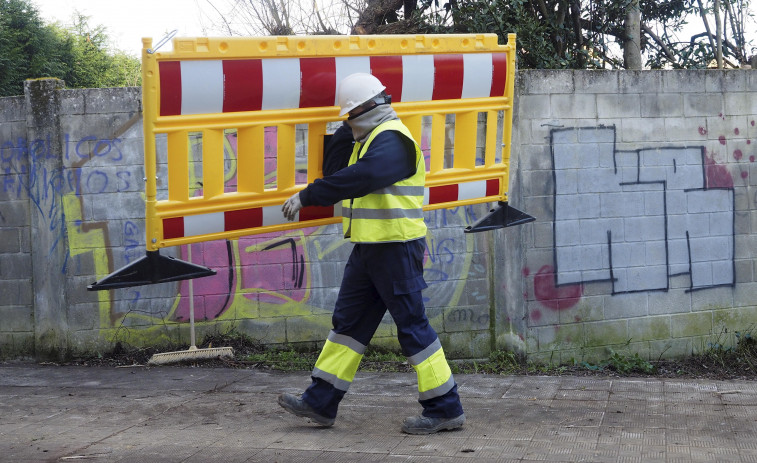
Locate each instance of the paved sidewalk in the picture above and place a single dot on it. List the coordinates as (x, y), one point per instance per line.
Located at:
(182, 414)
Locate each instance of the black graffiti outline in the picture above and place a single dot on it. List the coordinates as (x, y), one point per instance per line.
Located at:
(612, 278)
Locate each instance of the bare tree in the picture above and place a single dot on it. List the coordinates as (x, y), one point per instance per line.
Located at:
(283, 17)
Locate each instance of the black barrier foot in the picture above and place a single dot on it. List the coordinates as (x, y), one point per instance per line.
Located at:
(502, 216)
(151, 269)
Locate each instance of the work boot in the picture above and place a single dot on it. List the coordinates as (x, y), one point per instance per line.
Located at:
(426, 425)
(297, 406)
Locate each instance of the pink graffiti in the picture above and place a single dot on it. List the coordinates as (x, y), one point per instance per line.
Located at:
(212, 295)
(267, 263)
(550, 296)
(717, 175)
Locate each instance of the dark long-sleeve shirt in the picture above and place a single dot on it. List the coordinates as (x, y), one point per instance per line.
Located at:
(389, 159)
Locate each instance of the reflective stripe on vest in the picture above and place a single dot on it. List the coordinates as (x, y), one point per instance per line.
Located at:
(338, 361)
(393, 213)
(434, 375)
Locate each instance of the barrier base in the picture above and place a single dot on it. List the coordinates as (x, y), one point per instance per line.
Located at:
(151, 269)
(502, 216)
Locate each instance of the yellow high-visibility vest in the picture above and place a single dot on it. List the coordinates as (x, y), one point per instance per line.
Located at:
(391, 214)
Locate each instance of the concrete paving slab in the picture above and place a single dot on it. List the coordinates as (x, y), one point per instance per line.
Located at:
(183, 414)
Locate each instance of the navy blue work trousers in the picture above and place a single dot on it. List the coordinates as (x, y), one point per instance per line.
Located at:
(380, 277)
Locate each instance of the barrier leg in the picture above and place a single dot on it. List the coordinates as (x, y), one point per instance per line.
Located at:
(502, 216)
(151, 269)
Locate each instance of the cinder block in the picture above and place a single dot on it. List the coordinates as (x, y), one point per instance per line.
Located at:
(266, 330)
(71, 102)
(626, 305)
(744, 272)
(588, 309)
(596, 82)
(618, 106)
(606, 333)
(741, 319)
(688, 81)
(539, 182)
(726, 81)
(533, 107)
(685, 129)
(17, 265)
(572, 106)
(476, 293)
(669, 302)
(739, 103)
(640, 81)
(671, 348)
(745, 294)
(661, 105)
(14, 109)
(539, 314)
(543, 235)
(649, 328)
(325, 274)
(9, 242)
(465, 344)
(466, 318)
(640, 130)
(560, 337)
(113, 100)
(308, 328)
(703, 104)
(16, 319)
(14, 213)
(712, 298)
(17, 292)
(83, 316)
(544, 81)
(691, 324)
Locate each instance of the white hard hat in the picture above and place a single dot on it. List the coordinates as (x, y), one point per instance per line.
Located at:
(356, 89)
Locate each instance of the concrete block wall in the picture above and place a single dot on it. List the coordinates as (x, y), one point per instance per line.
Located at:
(644, 188)
(16, 294)
(642, 183)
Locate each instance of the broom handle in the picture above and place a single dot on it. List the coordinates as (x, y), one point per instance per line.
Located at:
(191, 305)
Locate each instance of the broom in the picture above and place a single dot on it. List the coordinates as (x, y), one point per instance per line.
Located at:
(193, 353)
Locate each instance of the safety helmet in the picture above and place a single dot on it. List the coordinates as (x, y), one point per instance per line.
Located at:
(356, 89)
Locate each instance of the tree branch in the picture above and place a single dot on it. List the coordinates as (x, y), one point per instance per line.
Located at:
(663, 46)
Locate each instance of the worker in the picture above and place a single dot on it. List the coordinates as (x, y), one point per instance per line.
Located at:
(380, 182)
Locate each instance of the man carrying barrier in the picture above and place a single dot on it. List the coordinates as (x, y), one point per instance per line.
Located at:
(453, 91)
(381, 187)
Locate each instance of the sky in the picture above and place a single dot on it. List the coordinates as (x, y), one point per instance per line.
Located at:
(126, 22)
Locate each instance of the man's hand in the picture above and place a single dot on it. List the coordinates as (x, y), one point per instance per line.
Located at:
(291, 206)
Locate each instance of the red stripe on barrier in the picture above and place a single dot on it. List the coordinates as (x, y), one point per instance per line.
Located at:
(242, 85)
(316, 212)
(388, 69)
(318, 87)
(242, 219)
(448, 77)
(442, 194)
(499, 74)
(492, 187)
(170, 88)
(173, 227)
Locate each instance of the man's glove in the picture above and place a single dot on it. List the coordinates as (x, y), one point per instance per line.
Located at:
(291, 206)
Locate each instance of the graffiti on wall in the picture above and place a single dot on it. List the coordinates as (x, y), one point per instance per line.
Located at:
(637, 218)
(260, 277)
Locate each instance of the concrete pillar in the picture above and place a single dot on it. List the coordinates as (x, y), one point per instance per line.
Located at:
(48, 226)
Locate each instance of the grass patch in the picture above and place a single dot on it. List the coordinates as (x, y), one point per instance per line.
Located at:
(716, 362)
